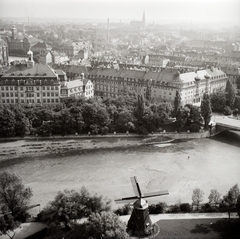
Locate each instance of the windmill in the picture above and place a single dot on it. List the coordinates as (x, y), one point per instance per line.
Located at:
(140, 223)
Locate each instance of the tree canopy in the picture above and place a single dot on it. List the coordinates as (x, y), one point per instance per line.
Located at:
(14, 200)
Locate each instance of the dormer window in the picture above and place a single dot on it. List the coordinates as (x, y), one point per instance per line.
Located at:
(28, 74)
(12, 74)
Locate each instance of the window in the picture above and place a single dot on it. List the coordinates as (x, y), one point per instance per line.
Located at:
(3, 95)
(16, 100)
(21, 95)
(48, 88)
(7, 94)
(3, 101)
(44, 100)
(6, 87)
(15, 88)
(11, 88)
(44, 94)
(56, 87)
(52, 87)
(48, 94)
(11, 94)
(56, 94)
(38, 94)
(52, 100)
(21, 88)
(38, 101)
(52, 94)
(37, 87)
(56, 100)
(48, 100)
(43, 88)
(2, 88)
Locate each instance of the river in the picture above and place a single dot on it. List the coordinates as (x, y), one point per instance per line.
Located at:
(179, 167)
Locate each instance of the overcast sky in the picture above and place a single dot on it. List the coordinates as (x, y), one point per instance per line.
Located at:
(204, 11)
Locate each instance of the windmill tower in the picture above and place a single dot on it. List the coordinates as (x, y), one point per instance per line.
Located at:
(140, 223)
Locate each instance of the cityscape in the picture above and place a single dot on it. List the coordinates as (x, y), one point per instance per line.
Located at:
(150, 88)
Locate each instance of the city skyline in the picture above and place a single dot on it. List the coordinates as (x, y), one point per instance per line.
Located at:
(161, 11)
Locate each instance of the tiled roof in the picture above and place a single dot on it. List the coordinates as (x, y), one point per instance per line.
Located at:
(38, 70)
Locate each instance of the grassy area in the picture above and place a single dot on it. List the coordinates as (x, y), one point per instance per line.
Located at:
(198, 229)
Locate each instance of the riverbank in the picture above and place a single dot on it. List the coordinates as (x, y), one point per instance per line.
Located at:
(37, 146)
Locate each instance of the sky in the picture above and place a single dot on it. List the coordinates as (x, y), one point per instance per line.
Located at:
(202, 11)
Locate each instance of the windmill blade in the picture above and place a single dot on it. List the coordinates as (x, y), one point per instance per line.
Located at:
(135, 186)
(126, 199)
(155, 194)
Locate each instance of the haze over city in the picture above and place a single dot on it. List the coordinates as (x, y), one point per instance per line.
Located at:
(161, 11)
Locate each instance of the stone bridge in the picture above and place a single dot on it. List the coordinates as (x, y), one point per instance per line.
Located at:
(226, 123)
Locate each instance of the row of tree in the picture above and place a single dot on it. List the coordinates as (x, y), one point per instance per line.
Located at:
(128, 112)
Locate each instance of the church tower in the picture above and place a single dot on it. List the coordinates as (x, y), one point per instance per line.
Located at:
(14, 32)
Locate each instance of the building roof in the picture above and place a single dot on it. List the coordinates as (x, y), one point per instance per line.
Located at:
(38, 70)
(74, 83)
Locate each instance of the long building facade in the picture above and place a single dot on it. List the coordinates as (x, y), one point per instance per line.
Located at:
(39, 84)
(191, 85)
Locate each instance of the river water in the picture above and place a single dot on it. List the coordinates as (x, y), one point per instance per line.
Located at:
(179, 167)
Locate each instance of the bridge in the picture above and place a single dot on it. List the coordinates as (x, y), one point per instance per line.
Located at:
(226, 123)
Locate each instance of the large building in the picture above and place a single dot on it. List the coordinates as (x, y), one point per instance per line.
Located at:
(164, 83)
(39, 84)
(139, 24)
(16, 43)
(73, 48)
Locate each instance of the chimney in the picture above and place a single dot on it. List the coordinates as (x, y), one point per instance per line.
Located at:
(108, 30)
(82, 76)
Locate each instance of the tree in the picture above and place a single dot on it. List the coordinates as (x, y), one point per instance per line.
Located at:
(105, 225)
(195, 120)
(149, 90)
(14, 199)
(164, 111)
(7, 225)
(197, 197)
(181, 117)
(69, 205)
(76, 119)
(214, 197)
(206, 109)
(176, 103)
(230, 94)
(123, 119)
(218, 101)
(140, 111)
(238, 206)
(231, 198)
(7, 122)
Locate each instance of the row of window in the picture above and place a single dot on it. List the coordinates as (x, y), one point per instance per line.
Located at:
(29, 101)
(28, 88)
(48, 94)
